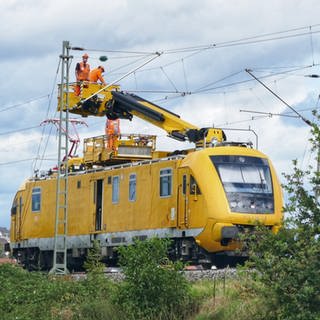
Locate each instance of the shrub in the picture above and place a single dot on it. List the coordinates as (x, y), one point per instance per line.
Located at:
(154, 287)
(288, 263)
(93, 264)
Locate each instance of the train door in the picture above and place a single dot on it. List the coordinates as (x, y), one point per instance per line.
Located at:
(98, 196)
(183, 197)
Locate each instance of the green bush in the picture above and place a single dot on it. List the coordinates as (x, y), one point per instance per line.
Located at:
(287, 264)
(33, 295)
(93, 264)
(154, 288)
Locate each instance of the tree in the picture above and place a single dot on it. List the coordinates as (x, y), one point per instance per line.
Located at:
(287, 264)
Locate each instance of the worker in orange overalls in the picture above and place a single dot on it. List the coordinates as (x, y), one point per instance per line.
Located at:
(112, 133)
(96, 74)
(82, 72)
(83, 69)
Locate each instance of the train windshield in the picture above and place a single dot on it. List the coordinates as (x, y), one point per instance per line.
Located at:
(247, 183)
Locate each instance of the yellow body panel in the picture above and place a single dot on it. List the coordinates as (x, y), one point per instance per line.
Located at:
(147, 212)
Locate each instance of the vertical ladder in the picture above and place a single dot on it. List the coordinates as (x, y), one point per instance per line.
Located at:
(61, 219)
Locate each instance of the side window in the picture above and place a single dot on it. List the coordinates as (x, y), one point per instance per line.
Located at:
(36, 200)
(165, 182)
(115, 189)
(194, 188)
(184, 184)
(132, 187)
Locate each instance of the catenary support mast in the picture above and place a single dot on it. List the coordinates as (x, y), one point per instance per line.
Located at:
(61, 219)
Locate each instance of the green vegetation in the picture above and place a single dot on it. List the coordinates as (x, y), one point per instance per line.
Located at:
(287, 265)
(32, 295)
(26, 295)
(93, 264)
(154, 287)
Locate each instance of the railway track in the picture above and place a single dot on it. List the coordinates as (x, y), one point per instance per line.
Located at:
(116, 274)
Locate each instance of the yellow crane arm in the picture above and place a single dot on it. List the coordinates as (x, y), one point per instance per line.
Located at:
(93, 99)
(125, 106)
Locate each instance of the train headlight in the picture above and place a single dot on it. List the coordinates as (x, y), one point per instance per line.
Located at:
(241, 204)
(270, 205)
(233, 204)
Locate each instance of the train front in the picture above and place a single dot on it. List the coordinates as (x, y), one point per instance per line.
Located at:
(240, 189)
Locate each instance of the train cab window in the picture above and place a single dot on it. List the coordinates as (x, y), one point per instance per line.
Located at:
(115, 189)
(165, 182)
(247, 183)
(194, 188)
(36, 200)
(132, 187)
(14, 207)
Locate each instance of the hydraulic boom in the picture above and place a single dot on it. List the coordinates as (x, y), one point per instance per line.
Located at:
(121, 105)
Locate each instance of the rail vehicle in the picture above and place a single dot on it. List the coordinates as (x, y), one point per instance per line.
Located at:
(123, 189)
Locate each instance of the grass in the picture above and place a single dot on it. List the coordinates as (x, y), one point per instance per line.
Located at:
(225, 299)
(32, 296)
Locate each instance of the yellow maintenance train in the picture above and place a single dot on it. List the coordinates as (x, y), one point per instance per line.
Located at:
(124, 189)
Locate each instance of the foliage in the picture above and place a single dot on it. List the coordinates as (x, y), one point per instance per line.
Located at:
(100, 310)
(33, 295)
(93, 264)
(288, 263)
(154, 288)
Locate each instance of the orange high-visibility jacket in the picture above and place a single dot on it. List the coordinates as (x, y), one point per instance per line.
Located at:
(82, 71)
(95, 75)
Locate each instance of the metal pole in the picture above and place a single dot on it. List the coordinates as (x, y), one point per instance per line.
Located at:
(61, 218)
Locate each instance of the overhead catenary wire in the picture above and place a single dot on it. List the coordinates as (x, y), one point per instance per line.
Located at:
(166, 75)
(311, 44)
(184, 75)
(15, 161)
(241, 41)
(245, 80)
(308, 122)
(245, 41)
(17, 105)
(46, 116)
(18, 130)
(177, 94)
(199, 49)
(113, 72)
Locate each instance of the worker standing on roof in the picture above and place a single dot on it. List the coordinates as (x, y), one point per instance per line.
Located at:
(96, 74)
(82, 74)
(112, 133)
(83, 69)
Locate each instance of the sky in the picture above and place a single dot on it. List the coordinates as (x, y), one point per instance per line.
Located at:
(206, 47)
